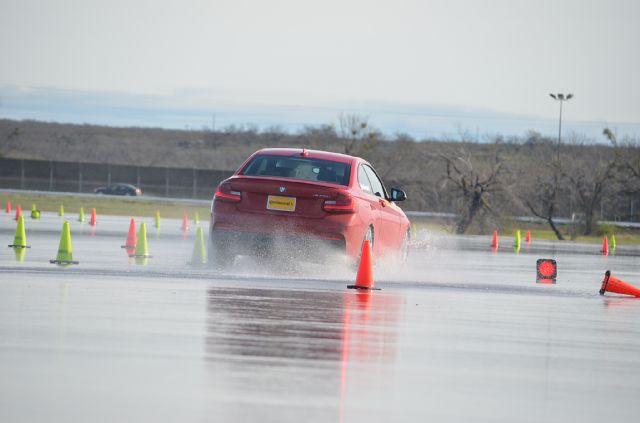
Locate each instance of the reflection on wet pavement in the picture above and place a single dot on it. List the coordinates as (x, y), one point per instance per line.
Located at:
(307, 340)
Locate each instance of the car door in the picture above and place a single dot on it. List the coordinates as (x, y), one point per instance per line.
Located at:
(389, 217)
(373, 204)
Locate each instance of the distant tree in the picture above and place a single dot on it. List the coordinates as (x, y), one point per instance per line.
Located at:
(397, 157)
(539, 182)
(628, 179)
(589, 171)
(356, 135)
(474, 182)
(321, 137)
(542, 200)
(12, 140)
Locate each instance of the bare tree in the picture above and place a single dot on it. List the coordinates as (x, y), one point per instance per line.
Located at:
(473, 182)
(356, 134)
(589, 173)
(542, 199)
(539, 181)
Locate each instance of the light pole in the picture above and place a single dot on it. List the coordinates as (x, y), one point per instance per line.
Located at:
(561, 98)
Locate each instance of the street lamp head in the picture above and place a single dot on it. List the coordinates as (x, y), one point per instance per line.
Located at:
(569, 96)
(561, 96)
(553, 95)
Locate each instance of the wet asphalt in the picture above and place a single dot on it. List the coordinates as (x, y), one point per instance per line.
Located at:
(459, 333)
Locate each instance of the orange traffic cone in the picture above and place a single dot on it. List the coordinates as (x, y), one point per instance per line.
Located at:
(605, 246)
(7, 207)
(494, 241)
(527, 237)
(93, 221)
(611, 284)
(18, 212)
(364, 278)
(185, 223)
(132, 238)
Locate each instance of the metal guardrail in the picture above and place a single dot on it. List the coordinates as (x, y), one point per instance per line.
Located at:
(84, 177)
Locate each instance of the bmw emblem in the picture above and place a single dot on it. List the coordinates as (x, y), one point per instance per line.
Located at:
(282, 189)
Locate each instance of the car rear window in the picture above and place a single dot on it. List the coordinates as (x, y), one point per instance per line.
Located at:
(304, 168)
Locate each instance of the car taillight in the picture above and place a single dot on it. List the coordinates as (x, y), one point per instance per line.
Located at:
(344, 203)
(138, 191)
(224, 193)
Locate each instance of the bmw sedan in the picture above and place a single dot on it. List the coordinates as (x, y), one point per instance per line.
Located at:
(308, 202)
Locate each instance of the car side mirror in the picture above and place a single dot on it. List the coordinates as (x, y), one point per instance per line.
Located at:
(398, 195)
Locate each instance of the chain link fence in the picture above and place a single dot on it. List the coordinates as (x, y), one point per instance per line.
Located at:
(42, 175)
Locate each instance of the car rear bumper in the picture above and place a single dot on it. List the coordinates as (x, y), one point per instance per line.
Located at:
(251, 232)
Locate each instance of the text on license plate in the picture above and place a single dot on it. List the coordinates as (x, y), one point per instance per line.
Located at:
(275, 202)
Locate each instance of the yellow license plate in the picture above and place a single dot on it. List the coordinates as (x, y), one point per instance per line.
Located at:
(275, 202)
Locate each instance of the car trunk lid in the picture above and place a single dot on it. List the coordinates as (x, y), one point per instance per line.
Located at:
(283, 196)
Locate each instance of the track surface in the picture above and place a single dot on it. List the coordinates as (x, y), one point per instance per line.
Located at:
(458, 334)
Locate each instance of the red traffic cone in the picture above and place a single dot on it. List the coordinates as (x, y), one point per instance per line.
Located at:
(527, 237)
(18, 212)
(364, 278)
(132, 237)
(611, 284)
(93, 221)
(494, 241)
(605, 246)
(185, 223)
(7, 207)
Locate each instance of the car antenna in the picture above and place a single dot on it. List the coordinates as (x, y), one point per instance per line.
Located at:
(304, 153)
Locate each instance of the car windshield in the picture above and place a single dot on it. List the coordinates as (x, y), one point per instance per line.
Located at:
(304, 168)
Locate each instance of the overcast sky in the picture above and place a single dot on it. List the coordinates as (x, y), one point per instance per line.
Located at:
(501, 56)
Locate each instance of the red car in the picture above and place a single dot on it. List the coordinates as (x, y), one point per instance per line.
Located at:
(300, 201)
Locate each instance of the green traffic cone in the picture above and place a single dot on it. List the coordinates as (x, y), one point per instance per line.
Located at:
(65, 250)
(199, 255)
(157, 223)
(196, 218)
(81, 215)
(517, 240)
(142, 249)
(35, 213)
(20, 240)
(613, 243)
(61, 211)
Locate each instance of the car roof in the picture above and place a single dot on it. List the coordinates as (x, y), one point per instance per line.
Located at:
(313, 154)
